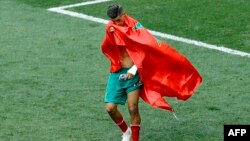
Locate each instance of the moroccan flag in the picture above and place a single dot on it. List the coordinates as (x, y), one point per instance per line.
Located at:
(162, 69)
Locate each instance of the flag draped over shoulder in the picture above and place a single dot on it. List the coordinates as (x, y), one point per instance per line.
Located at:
(162, 69)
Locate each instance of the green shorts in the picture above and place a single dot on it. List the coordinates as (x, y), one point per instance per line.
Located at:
(117, 90)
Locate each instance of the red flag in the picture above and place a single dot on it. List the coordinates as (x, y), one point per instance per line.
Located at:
(162, 69)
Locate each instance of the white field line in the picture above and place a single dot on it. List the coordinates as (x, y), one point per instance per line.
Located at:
(81, 4)
(62, 10)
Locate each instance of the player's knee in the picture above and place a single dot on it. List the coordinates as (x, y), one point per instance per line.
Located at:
(133, 109)
(110, 108)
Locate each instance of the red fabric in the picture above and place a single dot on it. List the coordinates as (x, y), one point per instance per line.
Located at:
(162, 69)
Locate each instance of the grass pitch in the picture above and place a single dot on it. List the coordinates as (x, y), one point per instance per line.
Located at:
(53, 75)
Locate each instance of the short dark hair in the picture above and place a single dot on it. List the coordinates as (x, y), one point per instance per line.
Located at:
(114, 10)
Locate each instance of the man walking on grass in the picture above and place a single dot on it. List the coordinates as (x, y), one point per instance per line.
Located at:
(141, 66)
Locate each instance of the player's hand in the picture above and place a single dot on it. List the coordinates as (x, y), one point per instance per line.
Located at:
(111, 29)
(129, 76)
(126, 76)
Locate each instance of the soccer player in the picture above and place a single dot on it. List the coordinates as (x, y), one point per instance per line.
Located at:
(123, 82)
(142, 66)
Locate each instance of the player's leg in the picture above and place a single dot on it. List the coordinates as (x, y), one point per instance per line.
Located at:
(135, 118)
(115, 95)
(116, 116)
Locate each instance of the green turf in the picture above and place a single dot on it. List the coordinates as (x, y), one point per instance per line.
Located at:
(219, 22)
(49, 3)
(53, 77)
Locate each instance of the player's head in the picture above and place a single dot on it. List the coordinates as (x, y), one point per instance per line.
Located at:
(116, 13)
